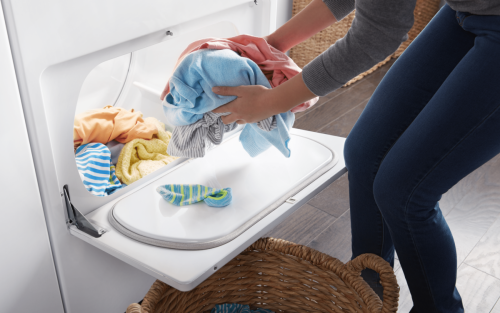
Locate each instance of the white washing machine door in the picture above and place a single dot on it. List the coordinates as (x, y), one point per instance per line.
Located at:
(259, 185)
(182, 246)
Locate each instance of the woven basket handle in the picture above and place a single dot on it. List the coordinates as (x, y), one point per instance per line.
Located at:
(154, 295)
(387, 279)
(134, 308)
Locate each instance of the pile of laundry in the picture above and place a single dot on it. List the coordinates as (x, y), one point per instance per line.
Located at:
(115, 147)
(236, 61)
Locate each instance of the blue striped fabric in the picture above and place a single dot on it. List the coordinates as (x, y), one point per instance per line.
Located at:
(236, 308)
(96, 170)
(181, 195)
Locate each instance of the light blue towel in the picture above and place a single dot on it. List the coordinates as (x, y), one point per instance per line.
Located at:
(191, 96)
(93, 161)
(181, 195)
(236, 308)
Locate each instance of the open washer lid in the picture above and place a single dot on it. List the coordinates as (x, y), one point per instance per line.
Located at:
(185, 269)
(259, 185)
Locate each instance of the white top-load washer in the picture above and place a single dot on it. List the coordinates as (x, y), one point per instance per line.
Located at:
(74, 56)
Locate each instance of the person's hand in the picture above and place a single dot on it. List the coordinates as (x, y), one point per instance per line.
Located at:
(254, 104)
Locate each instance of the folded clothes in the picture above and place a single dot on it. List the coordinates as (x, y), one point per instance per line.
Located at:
(181, 195)
(276, 65)
(110, 123)
(191, 97)
(236, 308)
(93, 161)
(141, 157)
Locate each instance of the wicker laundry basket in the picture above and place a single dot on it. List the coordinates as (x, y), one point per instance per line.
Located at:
(306, 51)
(283, 277)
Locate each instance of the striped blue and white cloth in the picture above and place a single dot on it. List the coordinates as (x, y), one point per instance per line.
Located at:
(236, 308)
(181, 195)
(96, 170)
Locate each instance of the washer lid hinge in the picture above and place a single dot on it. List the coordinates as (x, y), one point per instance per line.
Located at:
(78, 219)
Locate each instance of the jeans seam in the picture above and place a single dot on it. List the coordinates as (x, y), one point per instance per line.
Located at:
(378, 168)
(383, 233)
(425, 176)
(418, 253)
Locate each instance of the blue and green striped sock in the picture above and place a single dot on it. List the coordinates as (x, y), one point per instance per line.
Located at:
(181, 195)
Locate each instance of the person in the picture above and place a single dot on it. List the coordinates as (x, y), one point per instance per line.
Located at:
(433, 119)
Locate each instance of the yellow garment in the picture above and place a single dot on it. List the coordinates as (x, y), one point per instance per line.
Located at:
(141, 157)
(110, 123)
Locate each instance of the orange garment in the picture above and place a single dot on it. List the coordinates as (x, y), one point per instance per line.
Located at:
(110, 123)
(276, 66)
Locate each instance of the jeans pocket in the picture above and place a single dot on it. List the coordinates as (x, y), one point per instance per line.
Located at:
(461, 16)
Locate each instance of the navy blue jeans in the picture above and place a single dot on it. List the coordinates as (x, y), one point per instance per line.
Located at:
(433, 119)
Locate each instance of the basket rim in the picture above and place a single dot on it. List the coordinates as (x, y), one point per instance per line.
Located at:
(349, 273)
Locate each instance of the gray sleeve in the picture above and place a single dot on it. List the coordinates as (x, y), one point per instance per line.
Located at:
(378, 29)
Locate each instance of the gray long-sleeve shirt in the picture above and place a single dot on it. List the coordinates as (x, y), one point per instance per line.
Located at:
(378, 29)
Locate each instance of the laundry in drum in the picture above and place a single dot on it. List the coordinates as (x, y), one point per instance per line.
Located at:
(183, 194)
(93, 161)
(110, 123)
(125, 147)
(140, 157)
(115, 148)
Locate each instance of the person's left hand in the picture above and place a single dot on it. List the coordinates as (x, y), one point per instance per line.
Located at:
(254, 103)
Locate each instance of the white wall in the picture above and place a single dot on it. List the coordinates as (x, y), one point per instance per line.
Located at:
(284, 12)
(27, 272)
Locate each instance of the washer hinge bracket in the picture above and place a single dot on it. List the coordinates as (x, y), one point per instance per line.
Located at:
(78, 219)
